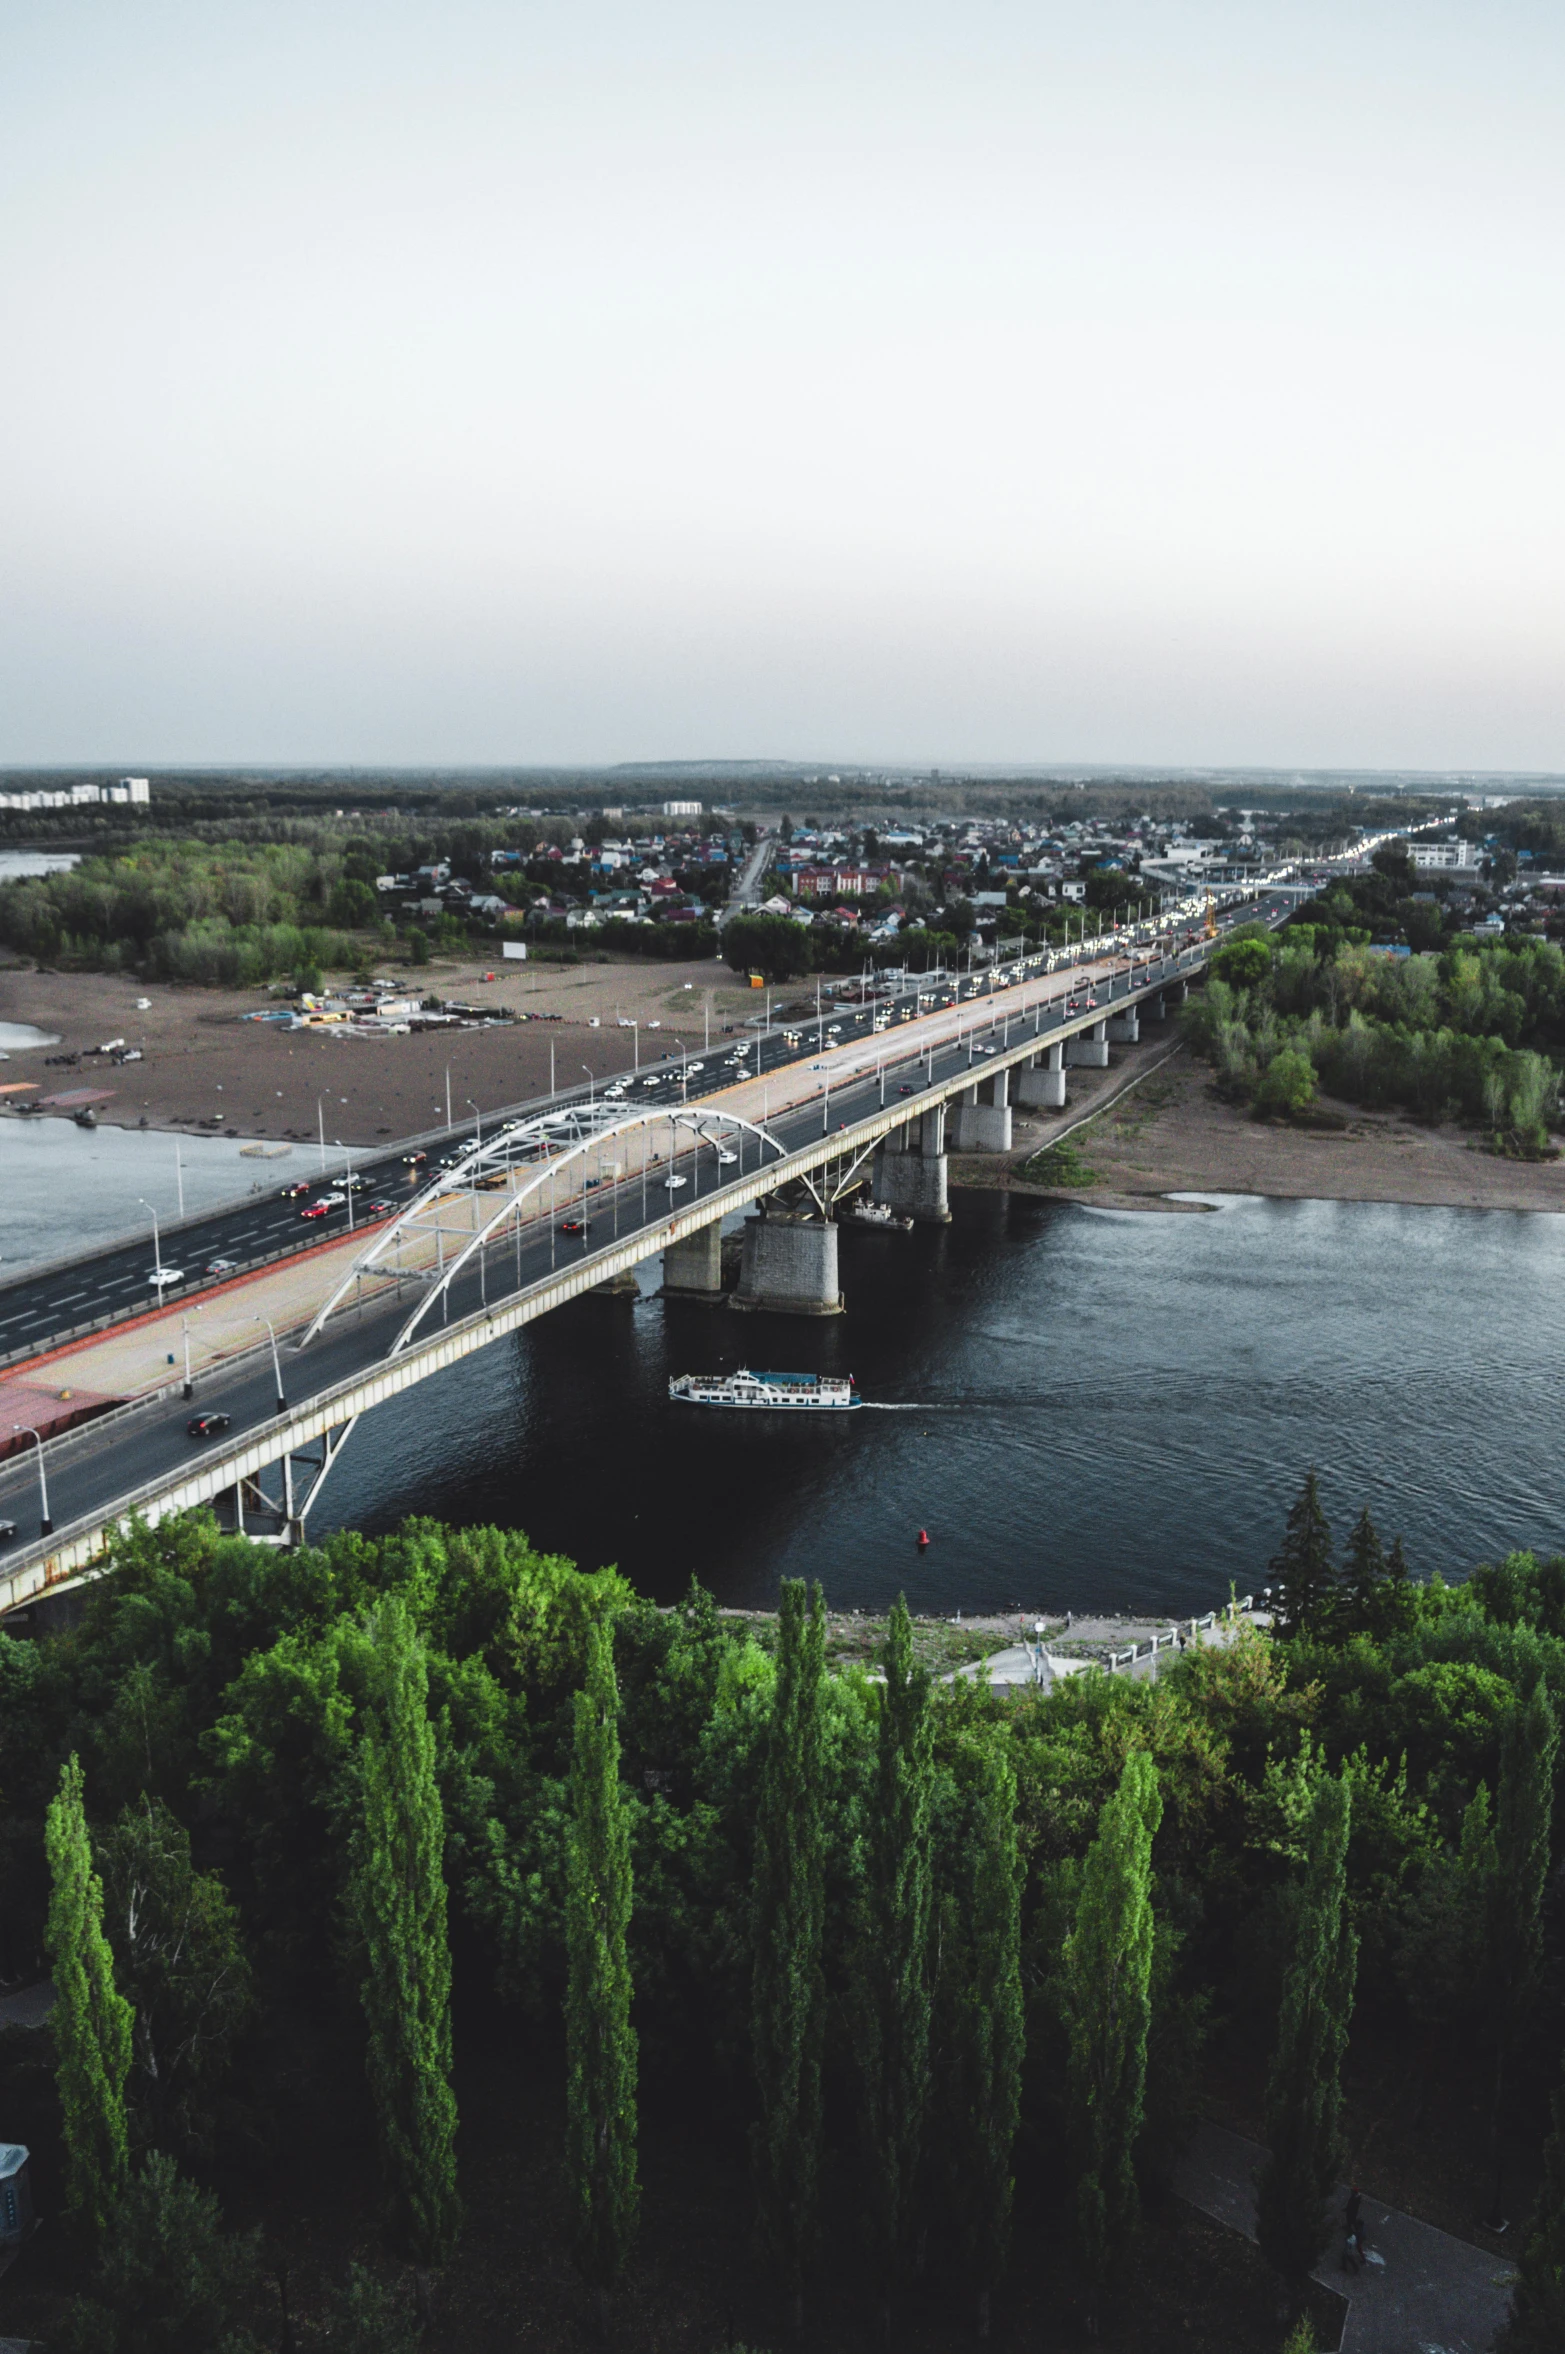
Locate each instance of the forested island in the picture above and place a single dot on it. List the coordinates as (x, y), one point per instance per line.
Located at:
(451, 1947)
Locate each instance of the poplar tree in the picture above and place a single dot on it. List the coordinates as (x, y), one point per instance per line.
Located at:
(398, 1896)
(91, 2021)
(789, 1991)
(1107, 1973)
(600, 2042)
(989, 2028)
(1523, 1821)
(1303, 1567)
(1304, 2090)
(893, 1958)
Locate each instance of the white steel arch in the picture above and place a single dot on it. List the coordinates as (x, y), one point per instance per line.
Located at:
(519, 1162)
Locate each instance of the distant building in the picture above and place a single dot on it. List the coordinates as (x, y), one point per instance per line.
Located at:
(128, 788)
(1463, 858)
(679, 809)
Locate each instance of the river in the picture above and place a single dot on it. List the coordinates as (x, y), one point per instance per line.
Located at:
(1093, 1409)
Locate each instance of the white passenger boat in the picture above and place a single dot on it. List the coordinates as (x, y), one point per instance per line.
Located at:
(793, 1393)
(877, 1217)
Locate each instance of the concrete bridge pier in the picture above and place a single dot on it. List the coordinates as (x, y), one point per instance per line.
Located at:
(910, 1170)
(1091, 1049)
(1155, 1008)
(790, 1267)
(1042, 1083)
(693, 1267)
(1124, 1028)
(1177, 992)
(983, 1115)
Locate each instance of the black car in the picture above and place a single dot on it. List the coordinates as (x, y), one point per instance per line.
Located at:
(574, 1225)
(207, 1426)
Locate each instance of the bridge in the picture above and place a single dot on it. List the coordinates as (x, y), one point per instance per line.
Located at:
(572, 1197)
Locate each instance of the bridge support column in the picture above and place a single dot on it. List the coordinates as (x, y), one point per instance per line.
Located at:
(693, 1267)
(789, 1267)
(1043, 1085)
(910, 1170)
(1177, 992)
(1124, 1028)
(983, 1116)
(1091, 1048)
(1156, 1008)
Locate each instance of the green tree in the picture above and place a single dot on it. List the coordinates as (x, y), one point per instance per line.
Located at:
(600, 2042)
(1303, 1568)
(788, 1993)
(1107, 1973)
(1304, 2090)
(1242, 963)
(92, 2020)
(399, 1905)
(981, 1948)
(179, 1956)
(892, 1961)
(169, 2279)
(1287, 1084)
(1537, 2319)
(1523, 1822)
(1357, 1604)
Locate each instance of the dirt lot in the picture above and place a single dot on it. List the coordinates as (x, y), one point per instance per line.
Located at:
(1171, 1134)
(202, 1058)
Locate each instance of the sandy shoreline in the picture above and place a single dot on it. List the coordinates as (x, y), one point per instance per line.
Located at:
(1171, 1134)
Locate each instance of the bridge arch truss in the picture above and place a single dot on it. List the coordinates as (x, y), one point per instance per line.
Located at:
(531, 1171)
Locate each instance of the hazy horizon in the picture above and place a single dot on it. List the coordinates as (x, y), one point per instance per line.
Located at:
(1163, 386)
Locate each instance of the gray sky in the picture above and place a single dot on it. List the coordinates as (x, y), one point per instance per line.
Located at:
(1145, 380)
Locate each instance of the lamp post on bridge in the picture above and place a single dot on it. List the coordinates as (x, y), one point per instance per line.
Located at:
(277, 1371)
(45, 1524)
(157, 1248)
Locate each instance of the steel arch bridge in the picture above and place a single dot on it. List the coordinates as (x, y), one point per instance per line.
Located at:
(537, 1168)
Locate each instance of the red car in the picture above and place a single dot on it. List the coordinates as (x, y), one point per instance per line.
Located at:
(316, 1210)
(574, 1225)
(292, 1192)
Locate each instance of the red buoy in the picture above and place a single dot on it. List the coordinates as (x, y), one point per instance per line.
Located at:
(923, 1538)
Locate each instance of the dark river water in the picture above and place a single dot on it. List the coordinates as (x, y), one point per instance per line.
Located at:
(1095, 1409)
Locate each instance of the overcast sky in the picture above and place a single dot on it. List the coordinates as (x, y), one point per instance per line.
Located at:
(1144, 380)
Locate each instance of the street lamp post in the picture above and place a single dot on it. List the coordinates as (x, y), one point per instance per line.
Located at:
(277, 1371)
(45, 1524)
(157, 1247)
(320, 1121)
(591, 1083)
(348, 1188)
(184, 1326)
(478, 1119)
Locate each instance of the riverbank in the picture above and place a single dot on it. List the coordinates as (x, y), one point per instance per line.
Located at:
(204, 1066)
(1171, 1134)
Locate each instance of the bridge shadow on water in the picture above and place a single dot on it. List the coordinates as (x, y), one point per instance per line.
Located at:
(1103, 1412)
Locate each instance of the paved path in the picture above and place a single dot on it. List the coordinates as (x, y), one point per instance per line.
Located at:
(28, 2008)
(1429, 2294)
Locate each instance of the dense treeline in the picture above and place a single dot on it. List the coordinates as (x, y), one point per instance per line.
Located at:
(1473, 1033)
(905, 1938)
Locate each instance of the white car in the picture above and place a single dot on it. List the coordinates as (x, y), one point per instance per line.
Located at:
(727, 1158)
(159, 1276)
(333, 1200)
(673, 1184)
